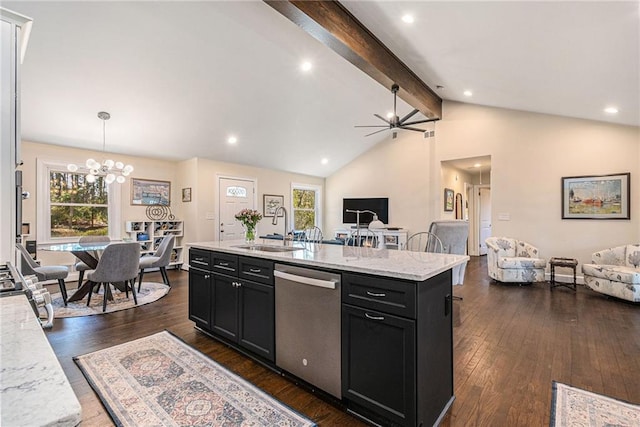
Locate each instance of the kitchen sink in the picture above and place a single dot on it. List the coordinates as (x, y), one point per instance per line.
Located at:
(269, 248)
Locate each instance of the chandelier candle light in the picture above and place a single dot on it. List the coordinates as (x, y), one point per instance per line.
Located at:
(113, 171)
(249, 219)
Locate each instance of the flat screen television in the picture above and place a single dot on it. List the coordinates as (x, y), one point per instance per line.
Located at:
(379, 205)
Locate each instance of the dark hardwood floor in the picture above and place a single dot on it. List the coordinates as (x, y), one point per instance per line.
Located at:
(510, 342)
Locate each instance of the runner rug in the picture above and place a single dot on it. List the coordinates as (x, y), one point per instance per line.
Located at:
(572, 406)
(161, 381)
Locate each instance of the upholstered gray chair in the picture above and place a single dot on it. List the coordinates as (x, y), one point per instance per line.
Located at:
(160, 259)
(119, 263)
(454, 235)
(46, 272)
(80, 266)
(424, 241)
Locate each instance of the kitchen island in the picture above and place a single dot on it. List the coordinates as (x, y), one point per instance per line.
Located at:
(34, 390)
(370, 328)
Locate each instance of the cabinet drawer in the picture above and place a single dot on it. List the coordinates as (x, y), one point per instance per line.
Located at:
(256, 269)
(386, 295)
(224, 263)
(200, 259)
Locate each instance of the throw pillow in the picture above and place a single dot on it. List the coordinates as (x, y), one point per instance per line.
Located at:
(633, 256)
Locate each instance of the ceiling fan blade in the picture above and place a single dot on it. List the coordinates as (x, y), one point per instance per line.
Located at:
(414, 129)
(420, 121)
(382, 118)
(371, 126)
(408, 116)
(373, 133)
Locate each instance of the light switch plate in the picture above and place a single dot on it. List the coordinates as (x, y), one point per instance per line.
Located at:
(209, 215)
(504, 216)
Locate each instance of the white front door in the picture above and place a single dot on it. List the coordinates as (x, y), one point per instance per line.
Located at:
(235, 194)
(485, 218)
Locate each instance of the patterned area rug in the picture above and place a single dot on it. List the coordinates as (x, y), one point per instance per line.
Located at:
(160, 381)
(575, 407)
(150, 292)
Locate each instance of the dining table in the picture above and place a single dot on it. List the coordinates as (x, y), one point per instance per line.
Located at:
(89, 253)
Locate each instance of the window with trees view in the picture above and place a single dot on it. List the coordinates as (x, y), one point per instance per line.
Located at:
(78, 208)
(306, 206)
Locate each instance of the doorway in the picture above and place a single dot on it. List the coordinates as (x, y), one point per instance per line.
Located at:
(484, 217)
(235, 194)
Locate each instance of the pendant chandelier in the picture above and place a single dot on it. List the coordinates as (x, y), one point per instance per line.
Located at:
(112, 171)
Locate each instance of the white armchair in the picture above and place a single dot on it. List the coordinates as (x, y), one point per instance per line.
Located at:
(615, 272)
(511, 260)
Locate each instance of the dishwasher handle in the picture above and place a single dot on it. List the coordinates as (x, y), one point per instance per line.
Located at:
(329, 284)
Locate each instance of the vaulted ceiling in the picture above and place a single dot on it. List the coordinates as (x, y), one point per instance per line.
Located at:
(180, 77)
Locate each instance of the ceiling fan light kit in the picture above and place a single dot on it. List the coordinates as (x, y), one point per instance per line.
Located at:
(395, 122)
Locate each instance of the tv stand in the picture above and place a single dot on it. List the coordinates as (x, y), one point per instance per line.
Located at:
(392, 239)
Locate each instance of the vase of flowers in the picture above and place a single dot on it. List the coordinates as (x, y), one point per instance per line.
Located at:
(249, 219)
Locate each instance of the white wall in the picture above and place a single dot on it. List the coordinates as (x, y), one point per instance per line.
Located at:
(269, 181)
(530, 153)
(199, 174)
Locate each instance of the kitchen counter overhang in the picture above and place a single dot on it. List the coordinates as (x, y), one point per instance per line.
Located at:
(407, 265)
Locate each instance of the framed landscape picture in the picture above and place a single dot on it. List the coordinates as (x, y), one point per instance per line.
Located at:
(148, 192)
(271, 203)
(596, 197)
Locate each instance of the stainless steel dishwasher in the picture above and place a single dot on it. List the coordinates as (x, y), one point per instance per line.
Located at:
(308, 326)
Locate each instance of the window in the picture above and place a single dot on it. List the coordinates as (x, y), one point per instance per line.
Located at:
(306, 206)
(70, 207)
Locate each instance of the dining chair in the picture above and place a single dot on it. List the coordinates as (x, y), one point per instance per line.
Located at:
(160, 259)
(367, 238)
(313, 234)
(119, 263)
(454, 235)
(424, 241)
(44, 272)
(80, 266)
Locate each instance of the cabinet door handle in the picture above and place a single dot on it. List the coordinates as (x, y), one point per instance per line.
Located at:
(195, 261)
(224, 264)
(206, 276)
(255, 270)
(368, 316)
(373, 294)
(448, 301)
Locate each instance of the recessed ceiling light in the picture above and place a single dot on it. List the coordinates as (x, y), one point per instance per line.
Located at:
(408, 18)
(232, 140)
(306, 66)
(477, 165)
(611, 110)
(467, 93)
(324, 161)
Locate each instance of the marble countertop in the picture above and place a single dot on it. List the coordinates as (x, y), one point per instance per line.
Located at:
(407, 265)
(34, 390)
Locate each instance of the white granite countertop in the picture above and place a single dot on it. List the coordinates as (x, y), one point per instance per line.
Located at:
(34, 390)
(407, 265)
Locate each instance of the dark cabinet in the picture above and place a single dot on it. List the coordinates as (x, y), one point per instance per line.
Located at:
(379, 362)
(397, 348)
(224, 302)
(200, 297)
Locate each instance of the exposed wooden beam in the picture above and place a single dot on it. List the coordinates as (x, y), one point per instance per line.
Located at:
(333, 25)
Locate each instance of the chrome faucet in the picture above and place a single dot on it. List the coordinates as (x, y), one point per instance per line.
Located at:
(286, 221)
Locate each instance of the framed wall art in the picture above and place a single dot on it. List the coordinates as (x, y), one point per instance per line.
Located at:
(596, 197)
(148, 192)
(448, 200)
(186, 194)
(270, 204)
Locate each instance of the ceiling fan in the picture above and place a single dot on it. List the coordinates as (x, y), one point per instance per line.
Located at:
(395, 122)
